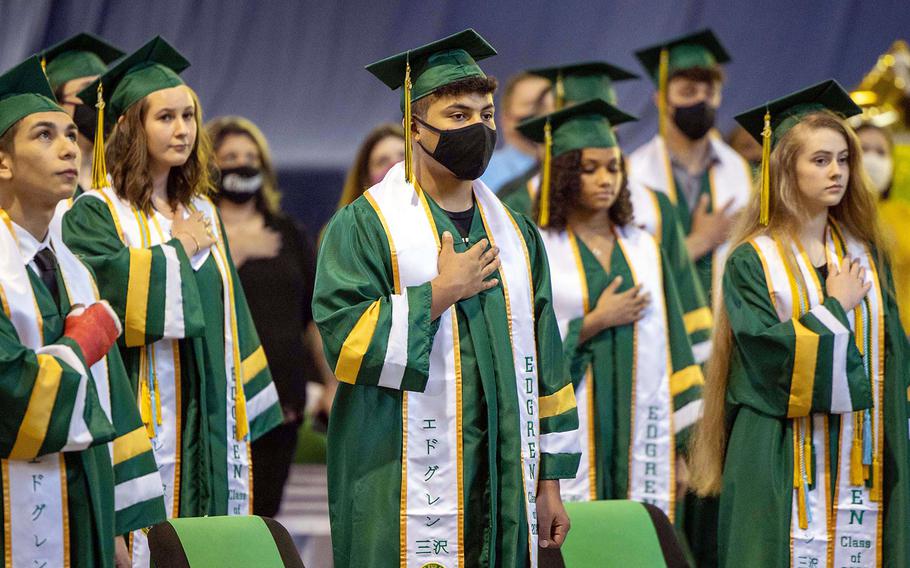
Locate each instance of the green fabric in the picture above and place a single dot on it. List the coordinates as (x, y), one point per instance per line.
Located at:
(588, 80)
(704, 266)
(701, 49)
(435, 64)
(586, 125)
(24, 90)
(153, 67)
(228, 542)
(364, 445)
(611, 534)
(756, 498)
(786, 112)
(82, 55)
(517, 195)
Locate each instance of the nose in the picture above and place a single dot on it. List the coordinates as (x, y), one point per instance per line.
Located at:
(69, 150)
(183, 128)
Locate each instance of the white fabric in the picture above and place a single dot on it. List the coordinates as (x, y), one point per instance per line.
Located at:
(396, 356)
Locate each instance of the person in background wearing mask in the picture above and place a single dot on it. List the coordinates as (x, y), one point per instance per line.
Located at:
(878, 161)
(454, 419)
(70, 66)
(520, 101)
(276, 263)
(381, 149)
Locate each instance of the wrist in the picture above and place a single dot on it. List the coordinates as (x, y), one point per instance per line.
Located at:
(186, 239)
(547, 485)
(443, 295)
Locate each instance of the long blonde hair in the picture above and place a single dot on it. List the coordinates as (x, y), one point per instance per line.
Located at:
(224, 126)
(856, 213)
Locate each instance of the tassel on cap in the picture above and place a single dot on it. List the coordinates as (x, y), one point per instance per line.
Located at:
(544, 217)
(765, 182)
(243, 425)
(560, 92)
(663, 73)
(408, 151)
(44, 65)
(99, 167)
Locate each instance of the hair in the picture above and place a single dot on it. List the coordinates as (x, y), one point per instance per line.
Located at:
(889, 138)
(565, 189)
(358, 179)
(8, 137)
(128, 156)
(269, 200)
(856, 213)
(700, 74)
(482, 85)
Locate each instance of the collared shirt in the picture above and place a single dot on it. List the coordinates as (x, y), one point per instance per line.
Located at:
(506, 164)
(689, 184)
(29, 246)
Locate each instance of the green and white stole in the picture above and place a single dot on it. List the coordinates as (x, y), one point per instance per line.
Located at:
(36, 526)
(160, 373)
(847, 532)
(651, 446)
(432, 486)
(730, 178)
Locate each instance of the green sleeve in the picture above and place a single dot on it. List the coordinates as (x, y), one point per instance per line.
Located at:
(152, 290)
(577, 355)
(789, 368)
(686, 379)
(560, 449)
(693, 302)
(371, 334)
(49, 402)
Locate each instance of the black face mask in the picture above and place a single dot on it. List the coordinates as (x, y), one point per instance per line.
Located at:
(696, 120)
(464, 151)
(239, 185)
(86, 119)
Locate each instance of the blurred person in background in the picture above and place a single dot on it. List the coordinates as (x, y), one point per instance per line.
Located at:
(381, 149)
(745, 146)
(878, 161)
(276, 262)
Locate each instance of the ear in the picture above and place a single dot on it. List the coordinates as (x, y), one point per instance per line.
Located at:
(6, 166)
(415, 129)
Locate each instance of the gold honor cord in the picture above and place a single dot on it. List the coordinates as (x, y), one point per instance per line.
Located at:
(408, 151)
(544, 217)
(560, 91)
(663, 71)
(765, 181)
(99, 167)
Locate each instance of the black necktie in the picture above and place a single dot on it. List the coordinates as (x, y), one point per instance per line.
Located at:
(47, 266)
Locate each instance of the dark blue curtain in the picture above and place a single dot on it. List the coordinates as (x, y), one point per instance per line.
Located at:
(296, 67)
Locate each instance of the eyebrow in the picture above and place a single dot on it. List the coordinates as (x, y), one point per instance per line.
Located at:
(174, 109)
(459, 106)
(44, 124)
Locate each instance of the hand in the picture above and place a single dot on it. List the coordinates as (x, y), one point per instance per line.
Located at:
(94, 329)
(462, 275)
(614, 309)
(709, 230)
(121, 553)
(682, 477)
(194, 231)
(552, 520)
(847, 283)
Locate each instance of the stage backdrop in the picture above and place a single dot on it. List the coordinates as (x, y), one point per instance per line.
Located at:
(296, 67)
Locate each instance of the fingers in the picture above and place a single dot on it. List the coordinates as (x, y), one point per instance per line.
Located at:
(545, 527)
(490, 268)
(559, 532)
(611, 288)
(448, 243)
(179, 211)
(727, 209)
(488, 284)
(703, 203)
(489, 256)
(478, 249)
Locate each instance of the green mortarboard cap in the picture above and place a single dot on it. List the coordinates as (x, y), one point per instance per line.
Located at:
(786, 112)
(24, 90)
(83, 55)
(153, 67)
(700, 49)
(435, 64)
(584, 81)
(585, 125)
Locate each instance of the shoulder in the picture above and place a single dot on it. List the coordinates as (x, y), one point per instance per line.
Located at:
(745, 258)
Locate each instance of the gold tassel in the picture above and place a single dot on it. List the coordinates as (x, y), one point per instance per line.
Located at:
(145, 396)
(560, 92)
(807, 452)
(663, 72)
(857, 476)
(408, 152)
(99, 167)
(44, 65)
(799, 461)
(158, 419)
(765, 182)
(544, 196)
(243, 426)
(876, 493)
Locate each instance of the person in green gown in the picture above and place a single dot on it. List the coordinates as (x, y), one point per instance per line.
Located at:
(76, 468)
(154, 237)
(454, 420)
(805, 426)
(637, 385)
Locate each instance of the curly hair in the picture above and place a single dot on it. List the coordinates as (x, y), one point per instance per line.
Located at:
(565, 189)
(128, 157)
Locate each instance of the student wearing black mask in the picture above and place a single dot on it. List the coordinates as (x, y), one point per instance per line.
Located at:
(72, 65)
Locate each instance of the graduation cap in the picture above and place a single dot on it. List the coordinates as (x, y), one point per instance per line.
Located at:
(153, 67)
(422, 71)
(583, 81)
(83, 55)
(24, 90)
(769, 122)
(701, 49)
(586, 125)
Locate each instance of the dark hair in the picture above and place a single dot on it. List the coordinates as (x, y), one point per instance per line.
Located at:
(482, 85)
(6, 140)
(268, 201)
(358, 179)
(700, 74)
(565, 188)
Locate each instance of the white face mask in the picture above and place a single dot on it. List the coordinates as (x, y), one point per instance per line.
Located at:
(879, 169)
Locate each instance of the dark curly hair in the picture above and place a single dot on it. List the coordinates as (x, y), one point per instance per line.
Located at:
(565, 188)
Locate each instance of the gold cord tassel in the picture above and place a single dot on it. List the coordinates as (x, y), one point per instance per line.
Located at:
(158, 419)
(99, 167)
(560, 92)
(799, 481)
(857, 476)
(663, 72)
(145, 396)
(544, 217)
(765, 182)
(44, 65)
(243, 426)
(408, 152)
(876, 493)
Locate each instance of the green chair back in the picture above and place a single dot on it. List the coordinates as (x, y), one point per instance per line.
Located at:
(611, 534)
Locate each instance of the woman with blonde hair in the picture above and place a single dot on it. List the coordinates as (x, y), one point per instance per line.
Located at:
(804, 432)
(154, 238)
(381, 149)
(276, 263)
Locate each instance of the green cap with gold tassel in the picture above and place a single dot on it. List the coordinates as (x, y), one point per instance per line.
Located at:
(764, 216)
(544, 215)
(99, 165)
